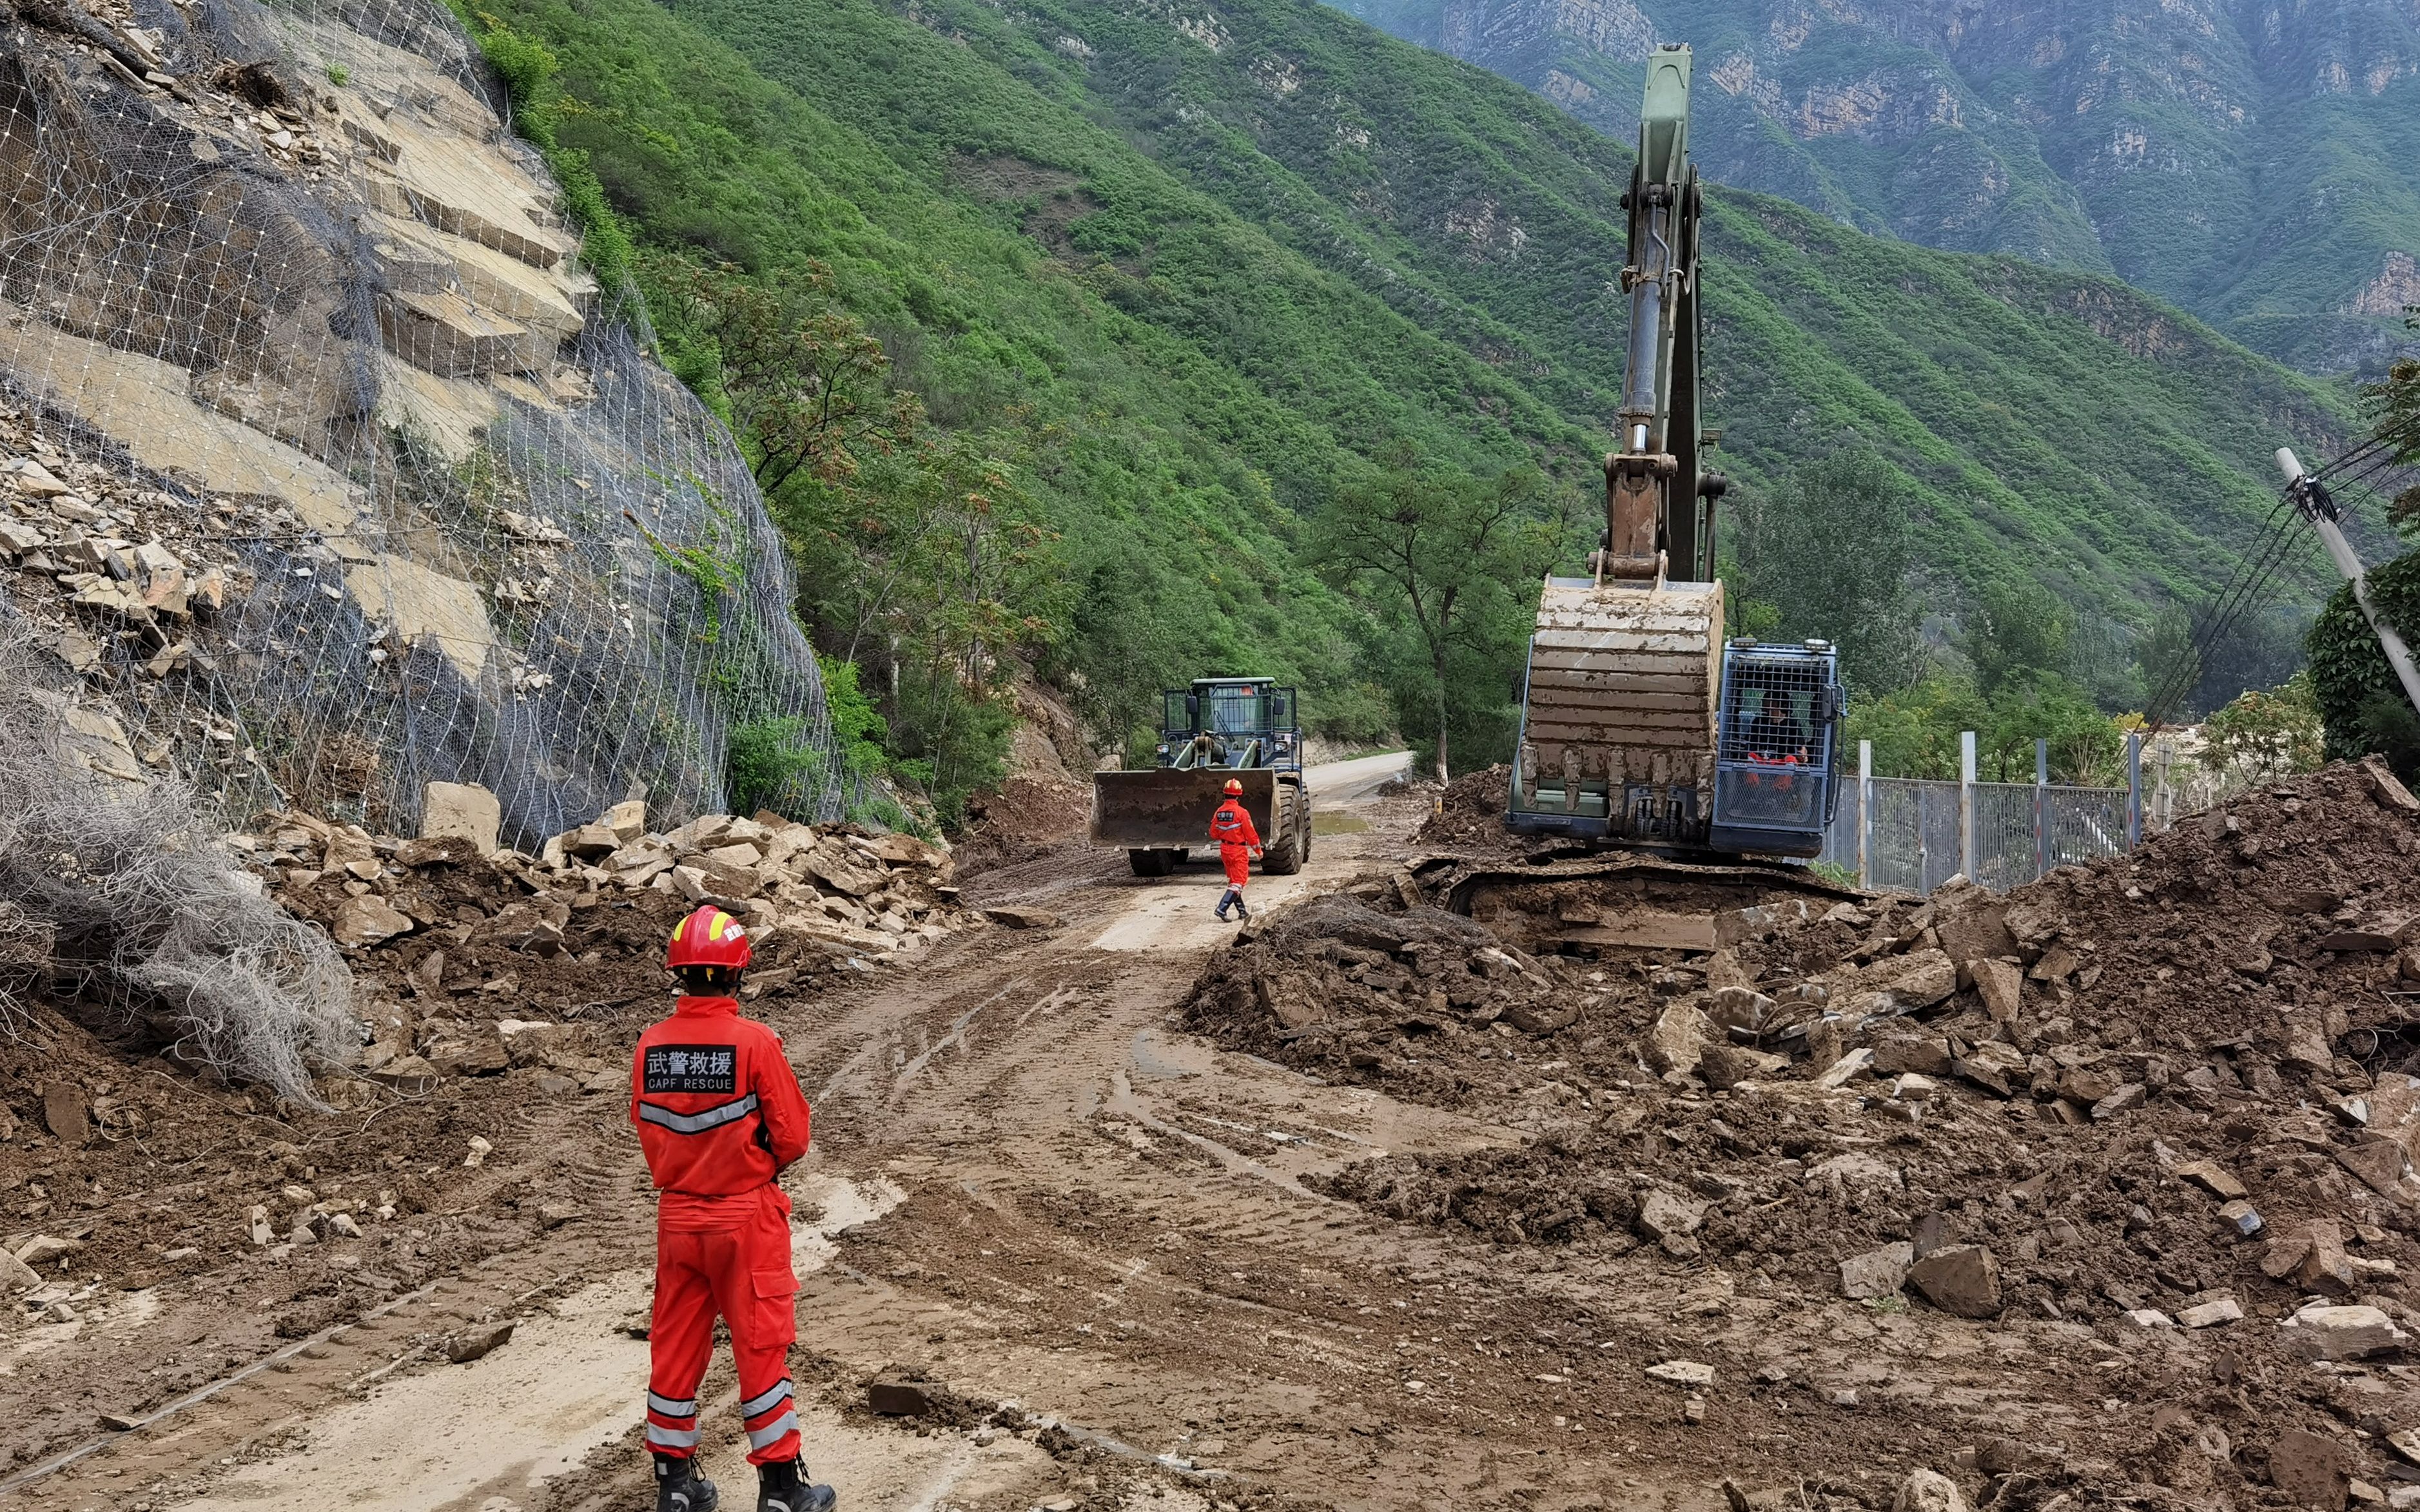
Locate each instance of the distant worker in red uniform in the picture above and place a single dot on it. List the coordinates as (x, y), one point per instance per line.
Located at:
(1239, 846)
(720, 1115)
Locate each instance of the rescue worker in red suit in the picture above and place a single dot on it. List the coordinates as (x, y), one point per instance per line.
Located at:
(1239, 846)
(720, 1115)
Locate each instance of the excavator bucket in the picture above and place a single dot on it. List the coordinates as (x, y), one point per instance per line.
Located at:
(1617, 717)
(1163, 807)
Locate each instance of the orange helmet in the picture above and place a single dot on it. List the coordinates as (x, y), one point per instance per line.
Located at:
(1235, 788)
(708, 937)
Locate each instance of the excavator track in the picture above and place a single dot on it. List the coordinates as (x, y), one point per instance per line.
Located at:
(1587, 903)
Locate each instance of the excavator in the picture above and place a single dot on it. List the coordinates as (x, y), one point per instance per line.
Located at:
(1640, 725)
(1653, 751)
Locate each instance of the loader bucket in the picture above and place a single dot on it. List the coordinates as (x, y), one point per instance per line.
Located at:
(1163, 807)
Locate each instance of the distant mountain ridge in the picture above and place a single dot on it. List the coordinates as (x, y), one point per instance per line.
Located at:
(2250, 160)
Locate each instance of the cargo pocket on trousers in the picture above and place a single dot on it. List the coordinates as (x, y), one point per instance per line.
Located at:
(777, 1304)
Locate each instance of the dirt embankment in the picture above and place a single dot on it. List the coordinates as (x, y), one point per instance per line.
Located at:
(2165, 1097)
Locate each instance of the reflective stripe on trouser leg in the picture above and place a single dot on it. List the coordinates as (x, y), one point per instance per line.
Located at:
(772, 1414)
(783, 1426)
(675, 1441)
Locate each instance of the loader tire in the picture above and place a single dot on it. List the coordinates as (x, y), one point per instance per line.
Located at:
(1152, 863)
(1283, 856)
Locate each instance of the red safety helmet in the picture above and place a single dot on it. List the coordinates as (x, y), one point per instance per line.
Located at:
(708, 937)
(1235, 787)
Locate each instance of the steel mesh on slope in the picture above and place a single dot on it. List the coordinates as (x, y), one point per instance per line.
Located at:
(365, 484)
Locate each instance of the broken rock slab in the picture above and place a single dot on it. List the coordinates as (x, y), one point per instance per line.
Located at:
(2323, 1331)
(2210, 1314)
(475, 1343)
(367, 920)
(1013, 918)
(1877, 1273)
(1689, 1373)
(463, 811)
(1960, 1279)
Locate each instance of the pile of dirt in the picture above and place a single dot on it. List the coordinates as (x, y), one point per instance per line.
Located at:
(2169, 1090)
(1470, 813)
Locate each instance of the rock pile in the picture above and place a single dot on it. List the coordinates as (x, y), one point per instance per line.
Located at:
(2167, 1094)
(476, 961)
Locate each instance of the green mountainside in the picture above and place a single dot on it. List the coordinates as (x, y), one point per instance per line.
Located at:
(2251, 164)
(1198, 268)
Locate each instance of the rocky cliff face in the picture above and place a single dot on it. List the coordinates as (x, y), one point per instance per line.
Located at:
(2248, 159)
(320, 468)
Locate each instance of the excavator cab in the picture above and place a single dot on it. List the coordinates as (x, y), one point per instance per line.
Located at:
(1778, 749)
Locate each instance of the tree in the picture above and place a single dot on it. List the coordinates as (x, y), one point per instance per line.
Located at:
(1447, 559)
(1830, 556)
(2267, 735)
(2017, 627)
(2360, 699)
(803, 384)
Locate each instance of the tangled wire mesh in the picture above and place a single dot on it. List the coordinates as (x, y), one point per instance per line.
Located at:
(121, 902)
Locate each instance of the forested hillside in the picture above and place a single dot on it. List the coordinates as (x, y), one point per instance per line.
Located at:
(1164, 280)
(2248, 161)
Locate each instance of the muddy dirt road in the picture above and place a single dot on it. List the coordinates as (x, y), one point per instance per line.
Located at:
(1091, 1229)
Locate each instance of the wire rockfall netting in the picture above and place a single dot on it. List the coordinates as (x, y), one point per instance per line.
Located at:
(328, 471)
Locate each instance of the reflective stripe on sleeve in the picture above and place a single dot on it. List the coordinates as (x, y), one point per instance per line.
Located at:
(670, 1408)
(677, 1438)
(690, 1123)
(759, 1406)
(771, 1432)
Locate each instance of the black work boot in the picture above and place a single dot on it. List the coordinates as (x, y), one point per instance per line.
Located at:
(782, 1486)
(679, 1488)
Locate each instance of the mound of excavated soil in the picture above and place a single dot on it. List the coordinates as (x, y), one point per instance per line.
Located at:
(1470, 816)
(2168, 1090)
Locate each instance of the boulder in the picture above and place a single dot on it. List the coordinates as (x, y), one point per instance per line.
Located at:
(1679, 1040)
(1877, 1273)
(367, 920)
(2311, 1470)
(66, 1114)
(2212, 1178)
(1960, 1279)
(591, 842)
(628, 820)
(1665, 1215)
(465, 810)
(1918, 980)
(840, 869)
(1973, 928)
(2324, 1331)
(1839, 1073)
(2000, 985)
(1928, 1490)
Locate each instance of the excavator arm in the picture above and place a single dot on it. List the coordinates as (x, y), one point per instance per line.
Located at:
(1659, 496)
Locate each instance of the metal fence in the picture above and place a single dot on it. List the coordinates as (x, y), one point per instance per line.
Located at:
(1912, 836)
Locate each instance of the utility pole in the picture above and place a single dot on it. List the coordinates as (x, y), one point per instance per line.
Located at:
(2311, 496)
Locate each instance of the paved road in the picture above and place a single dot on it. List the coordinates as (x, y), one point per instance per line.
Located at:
(1343, 784)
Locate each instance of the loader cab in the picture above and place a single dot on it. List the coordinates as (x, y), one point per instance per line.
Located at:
(1778, 748)
(1242, 723)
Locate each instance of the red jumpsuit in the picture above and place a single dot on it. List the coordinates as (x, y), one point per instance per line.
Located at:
(1232, 828)
(719, 1114)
